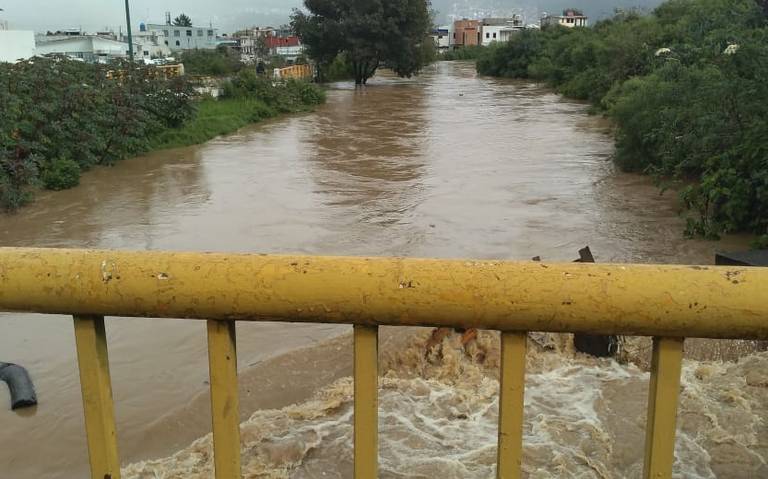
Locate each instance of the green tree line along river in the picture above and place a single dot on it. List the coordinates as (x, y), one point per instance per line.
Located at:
(686, 89)
(60, 117)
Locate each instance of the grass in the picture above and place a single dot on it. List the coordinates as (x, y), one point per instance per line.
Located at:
(214, 118)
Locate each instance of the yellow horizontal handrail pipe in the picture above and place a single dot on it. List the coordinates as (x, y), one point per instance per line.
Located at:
(669, 301)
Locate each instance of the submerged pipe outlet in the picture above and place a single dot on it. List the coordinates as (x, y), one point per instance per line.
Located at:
(20, 385)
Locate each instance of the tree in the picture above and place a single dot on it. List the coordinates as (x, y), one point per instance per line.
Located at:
(370, 33)
(182, 21)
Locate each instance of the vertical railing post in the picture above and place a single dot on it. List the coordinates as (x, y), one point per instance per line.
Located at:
(511, 401)
(225, 403)
(93, 361)
(366, 427)
(663, 393)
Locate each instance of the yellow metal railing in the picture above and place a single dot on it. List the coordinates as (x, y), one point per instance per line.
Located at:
(666, 302)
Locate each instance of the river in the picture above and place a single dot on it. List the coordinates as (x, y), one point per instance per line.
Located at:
(443, 165)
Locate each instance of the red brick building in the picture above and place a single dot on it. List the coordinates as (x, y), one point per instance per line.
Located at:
(466, 33)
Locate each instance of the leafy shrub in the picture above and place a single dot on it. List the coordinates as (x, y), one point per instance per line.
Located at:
(14, 182)
(307, 93)
(61, 174)
(172, 104)
(288, 96)
(217, 62)
(53, 108)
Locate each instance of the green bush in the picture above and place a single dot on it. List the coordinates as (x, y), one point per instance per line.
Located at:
(53, 108)
(686, 89)
(464, 53)
(288, 96)
(217, 62)
(61, 174)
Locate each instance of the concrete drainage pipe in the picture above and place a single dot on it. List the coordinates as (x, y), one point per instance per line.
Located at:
(21, 387)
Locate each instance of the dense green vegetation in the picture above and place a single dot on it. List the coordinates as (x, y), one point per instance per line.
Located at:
(465, 53)
(686, 87)
(217, 62)
(337, 70)
(60, 117)
(369, 34)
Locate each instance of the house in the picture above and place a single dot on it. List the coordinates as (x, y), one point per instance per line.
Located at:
(441, 36)
(570, 18)
(89, 48)
(179, 38)
(288, 47)
(466, 33)
(250, 43)
(500, 29)
(149, 45)
(16, 45)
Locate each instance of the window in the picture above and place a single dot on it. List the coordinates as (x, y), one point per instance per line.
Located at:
(146, 53)
(177, 33)
(494, 34)
(189, 33)
(488, 35)
(199, 33)
(454, 35)
(167, 33)
(166, 42)
(210, 33)
(178, 44)
(570, 20)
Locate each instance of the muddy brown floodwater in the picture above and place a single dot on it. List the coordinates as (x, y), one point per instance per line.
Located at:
(443, 165)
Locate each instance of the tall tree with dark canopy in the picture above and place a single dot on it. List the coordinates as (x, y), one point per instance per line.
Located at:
(370, 33)
(182, 21)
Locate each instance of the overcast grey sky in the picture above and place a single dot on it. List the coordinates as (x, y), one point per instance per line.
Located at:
(96, 14)
(229, 15)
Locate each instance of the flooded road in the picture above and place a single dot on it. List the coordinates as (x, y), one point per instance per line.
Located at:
(444, 165)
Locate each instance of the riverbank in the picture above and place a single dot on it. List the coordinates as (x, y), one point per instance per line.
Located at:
(60, 118)
(689, 103)
(219, 117)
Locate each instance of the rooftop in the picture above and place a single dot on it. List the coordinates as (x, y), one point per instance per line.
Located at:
(503, 21)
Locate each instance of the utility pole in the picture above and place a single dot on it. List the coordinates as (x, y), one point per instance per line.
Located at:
(130, 37)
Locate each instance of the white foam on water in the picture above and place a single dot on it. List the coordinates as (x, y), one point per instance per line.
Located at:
(584, 418)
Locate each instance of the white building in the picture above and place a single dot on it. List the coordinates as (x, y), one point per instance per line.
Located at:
(441, 36)
(16, 45)
(500, 29)
(185, 38)
(149, 45)
(89, 48)
(570, 18)
(289, 52)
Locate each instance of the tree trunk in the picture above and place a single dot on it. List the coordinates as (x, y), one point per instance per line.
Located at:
(358, 73)
(370, 71)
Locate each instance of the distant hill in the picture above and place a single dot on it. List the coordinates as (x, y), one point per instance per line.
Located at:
(532, 9)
